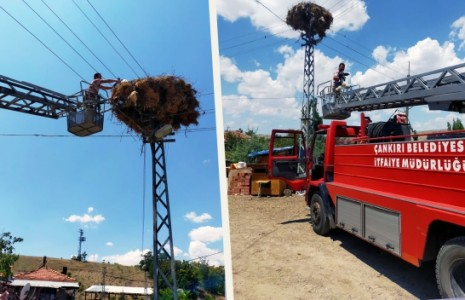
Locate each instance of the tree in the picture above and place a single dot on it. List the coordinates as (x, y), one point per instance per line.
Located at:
(7, 256)
(192, 277)
(237, 148)
(456, 124)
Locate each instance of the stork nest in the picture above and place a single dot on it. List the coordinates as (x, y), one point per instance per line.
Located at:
(310, 18)
(146, 104)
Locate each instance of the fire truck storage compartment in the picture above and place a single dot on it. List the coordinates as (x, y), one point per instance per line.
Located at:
(382, 227)
(85, 122)
(349, 215)
(377, 225)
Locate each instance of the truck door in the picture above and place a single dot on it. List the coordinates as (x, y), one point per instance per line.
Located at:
(287, 158)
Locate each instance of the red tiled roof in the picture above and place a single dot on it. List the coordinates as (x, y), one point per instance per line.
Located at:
(45, 274)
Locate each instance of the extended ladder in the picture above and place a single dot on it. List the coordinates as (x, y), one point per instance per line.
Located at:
(32, 99)
(442, 89)
(28, 98)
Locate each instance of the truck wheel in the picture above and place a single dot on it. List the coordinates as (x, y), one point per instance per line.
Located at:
(319, 215)
(450, 268)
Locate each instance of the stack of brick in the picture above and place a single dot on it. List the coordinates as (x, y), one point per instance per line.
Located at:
(239, 181)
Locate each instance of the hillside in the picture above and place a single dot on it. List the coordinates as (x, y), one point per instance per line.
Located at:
(86, 273)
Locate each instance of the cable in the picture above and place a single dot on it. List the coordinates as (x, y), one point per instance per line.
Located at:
(256, 48)
(39, 40)
(204, 256)
(92, 136)
(48, 24)
(111, 45)
(366, 56)
(78, 38)
(249, 33)
(146, 74)
(252, 41)
(270, 11)
(347, 9)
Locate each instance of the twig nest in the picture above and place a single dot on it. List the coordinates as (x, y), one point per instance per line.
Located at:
(310, 18)
(146, 104)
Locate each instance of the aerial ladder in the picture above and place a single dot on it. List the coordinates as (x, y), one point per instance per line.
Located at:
(84, 116)
(442, 89)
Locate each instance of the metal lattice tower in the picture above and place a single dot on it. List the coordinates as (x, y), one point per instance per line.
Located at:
(309, 102)
(162, 232)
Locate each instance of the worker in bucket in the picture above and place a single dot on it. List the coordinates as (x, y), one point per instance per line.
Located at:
(92, 93)
(339, 78)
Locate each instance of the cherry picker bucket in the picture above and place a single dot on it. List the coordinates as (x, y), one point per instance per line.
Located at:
(85, 122)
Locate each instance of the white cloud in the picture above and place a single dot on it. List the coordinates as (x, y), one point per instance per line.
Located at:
(380, 54)
(193, 217)
(206, 234)
(348, 15)
(109, 244)
(198, 249)
(427, 50)
(229, 71)
(206, 161)
(92, 258)
(86, 218)
(267, 100)
(130, 258)
(458, 31)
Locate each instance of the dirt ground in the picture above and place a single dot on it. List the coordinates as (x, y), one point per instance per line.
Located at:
(276, 255)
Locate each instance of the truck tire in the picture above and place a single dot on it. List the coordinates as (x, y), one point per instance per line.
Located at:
(319, 215)
(450, 268)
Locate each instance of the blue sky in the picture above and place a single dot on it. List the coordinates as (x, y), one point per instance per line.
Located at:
(52, 183)
(261, 58)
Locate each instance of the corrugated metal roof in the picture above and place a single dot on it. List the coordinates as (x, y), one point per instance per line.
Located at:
(113, 289)
(44, 283)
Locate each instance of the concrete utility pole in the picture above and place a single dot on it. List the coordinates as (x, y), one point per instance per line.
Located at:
(104, 273)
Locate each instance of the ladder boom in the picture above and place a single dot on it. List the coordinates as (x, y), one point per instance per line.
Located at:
(442, 89)
(32, 99)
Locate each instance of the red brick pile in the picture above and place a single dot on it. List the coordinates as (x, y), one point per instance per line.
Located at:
(239, 181)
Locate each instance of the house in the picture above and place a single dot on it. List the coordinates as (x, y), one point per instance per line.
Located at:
(44, 284)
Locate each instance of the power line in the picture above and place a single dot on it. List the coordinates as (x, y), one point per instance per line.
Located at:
(146, 74)
(111, 45)
(255, 40)
(64, 40)
(249, 33)
(256, 48)
(270, 11)
(63, 22)
(347, 9)
(40, 41)
(364, 55)
(204, 256)
(91, 136)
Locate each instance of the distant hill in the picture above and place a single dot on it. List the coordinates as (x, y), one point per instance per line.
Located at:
(86, 273)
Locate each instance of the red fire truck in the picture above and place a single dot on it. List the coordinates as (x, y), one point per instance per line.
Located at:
(402, 192)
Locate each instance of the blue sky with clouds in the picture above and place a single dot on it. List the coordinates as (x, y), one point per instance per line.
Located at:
(262, 59)
(53, 183)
